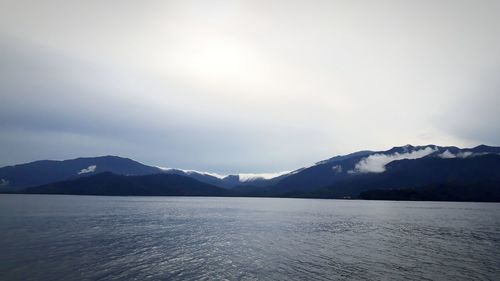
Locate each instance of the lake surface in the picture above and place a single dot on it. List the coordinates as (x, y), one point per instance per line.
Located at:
(51, 237)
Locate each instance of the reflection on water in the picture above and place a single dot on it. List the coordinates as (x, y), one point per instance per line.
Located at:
(45, 237)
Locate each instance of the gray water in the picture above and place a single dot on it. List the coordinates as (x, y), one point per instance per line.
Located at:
(46, 237)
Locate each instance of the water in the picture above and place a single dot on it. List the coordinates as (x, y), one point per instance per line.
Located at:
(47, 237)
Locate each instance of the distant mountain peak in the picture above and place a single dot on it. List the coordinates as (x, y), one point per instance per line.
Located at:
(48, 171)
(343, 157)
(408, 146)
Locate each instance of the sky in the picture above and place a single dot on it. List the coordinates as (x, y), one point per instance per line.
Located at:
(244, 86)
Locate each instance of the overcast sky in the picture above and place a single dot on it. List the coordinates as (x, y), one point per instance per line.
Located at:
(244, 86)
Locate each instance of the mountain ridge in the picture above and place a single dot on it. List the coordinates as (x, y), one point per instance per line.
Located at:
(107, 183)
(336, 177)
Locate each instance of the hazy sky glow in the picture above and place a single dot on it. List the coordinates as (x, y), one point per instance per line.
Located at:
(244, 86)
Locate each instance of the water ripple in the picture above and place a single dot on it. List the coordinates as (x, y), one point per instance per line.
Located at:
(180, 238)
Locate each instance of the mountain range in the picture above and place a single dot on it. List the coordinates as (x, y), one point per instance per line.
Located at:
(407, 172)
(107, 183)
(18, 177)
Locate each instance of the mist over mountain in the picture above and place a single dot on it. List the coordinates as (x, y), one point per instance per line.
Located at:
(347, 176)
(46, 171)
(17, 177)
(357, 165)
(428, 167)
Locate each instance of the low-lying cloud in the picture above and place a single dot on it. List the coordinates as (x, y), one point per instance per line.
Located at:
(266, 176)
(337, 169)
(190, 172)
(376, 163)
(89, 169)
(462, 154)
(242, 177)
(446, 155)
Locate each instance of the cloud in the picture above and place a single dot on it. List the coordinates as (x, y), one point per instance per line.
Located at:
(467, 154)
(337, 169)
(252, 176)
(376, 163)
(212, 87)
(447, 154)
(462, 154)
(192, 172)
(89, 169)
(242, 177)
